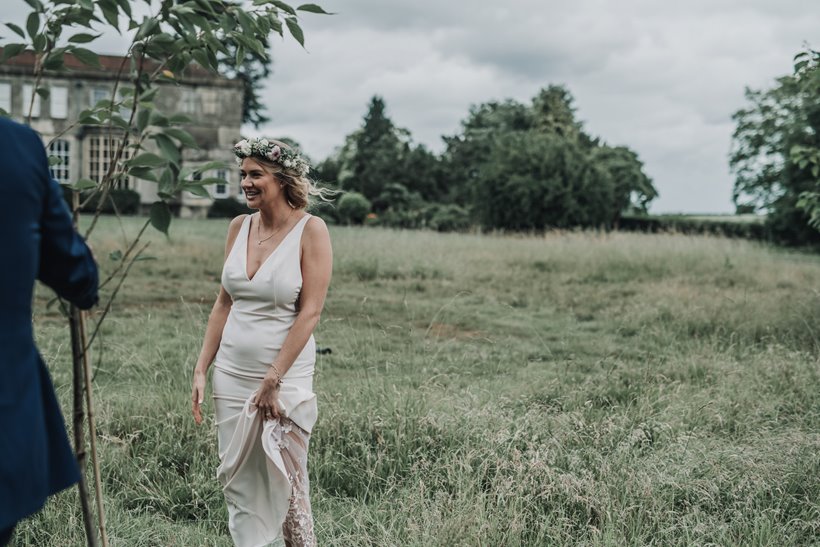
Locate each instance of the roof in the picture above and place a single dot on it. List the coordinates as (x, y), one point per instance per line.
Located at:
(110, 66)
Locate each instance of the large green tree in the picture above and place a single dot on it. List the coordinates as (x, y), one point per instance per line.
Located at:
(251, 68)
(377, 153)
(520, 166)
(380, 161)
(774, 156)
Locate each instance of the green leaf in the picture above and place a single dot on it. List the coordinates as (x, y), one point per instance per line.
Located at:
(84, 184)
(276, 25)
(295, 30)
(87, 57)
(197, 190)
(148, 27)
(12, 50)
(210, 165)
(160, 216)
(144, 173)
(111, 13)
(167, 147)
(158, 119)
(120, 122)
(284, 7)
(245, 21)
(179, 118)
(115, 256)
(147, 159)
(125, 5)
(149, 95)
(54, 160)
(43, 92)
(17, 30)
(182, 136)
(202, 58)
(55, 61)
(313, 8)
(87, 4)
(86, 117)
(83, 38)
(33, 24)
(35, 4)
(212, 180)
(39, 43)
(142, 119)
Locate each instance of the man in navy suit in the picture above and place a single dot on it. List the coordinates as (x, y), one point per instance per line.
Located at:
(37, 241)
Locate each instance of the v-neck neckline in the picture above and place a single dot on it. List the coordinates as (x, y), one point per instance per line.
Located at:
(273, 252)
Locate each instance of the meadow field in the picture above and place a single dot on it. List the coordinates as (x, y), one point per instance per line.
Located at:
(566, 389)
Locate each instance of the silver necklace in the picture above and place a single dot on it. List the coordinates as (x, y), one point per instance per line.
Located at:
(261, 241)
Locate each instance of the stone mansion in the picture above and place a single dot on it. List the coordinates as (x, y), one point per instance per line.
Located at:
(214, 103)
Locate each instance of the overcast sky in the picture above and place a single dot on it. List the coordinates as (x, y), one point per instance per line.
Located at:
(660, 77)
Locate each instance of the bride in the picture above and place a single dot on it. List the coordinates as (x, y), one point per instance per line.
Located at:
(259, 336)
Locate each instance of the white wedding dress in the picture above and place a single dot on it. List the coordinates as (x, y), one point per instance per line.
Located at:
(263, 464)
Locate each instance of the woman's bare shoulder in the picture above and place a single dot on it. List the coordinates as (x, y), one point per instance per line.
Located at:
(316, 227)
(233, 231)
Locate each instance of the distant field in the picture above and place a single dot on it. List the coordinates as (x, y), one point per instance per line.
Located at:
(570, 389)
(718, 218)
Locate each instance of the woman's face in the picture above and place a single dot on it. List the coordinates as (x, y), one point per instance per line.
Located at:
(259, 185)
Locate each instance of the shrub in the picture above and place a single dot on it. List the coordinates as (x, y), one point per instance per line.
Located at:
(227, 208)
(448, 218)
(353, 208)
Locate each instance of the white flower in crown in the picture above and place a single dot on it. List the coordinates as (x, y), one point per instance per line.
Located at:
(274, 153)
(287, 163)
(244, 147)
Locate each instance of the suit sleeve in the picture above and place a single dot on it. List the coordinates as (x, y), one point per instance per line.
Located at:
(66, 262)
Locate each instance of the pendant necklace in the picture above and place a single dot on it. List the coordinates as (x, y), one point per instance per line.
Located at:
(260, 241)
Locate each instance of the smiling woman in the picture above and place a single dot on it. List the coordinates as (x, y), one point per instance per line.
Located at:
(260, 338)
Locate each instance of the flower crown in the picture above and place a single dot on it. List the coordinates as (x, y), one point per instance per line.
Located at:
(264, 148)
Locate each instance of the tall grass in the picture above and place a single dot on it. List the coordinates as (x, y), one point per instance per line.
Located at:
(567, 389)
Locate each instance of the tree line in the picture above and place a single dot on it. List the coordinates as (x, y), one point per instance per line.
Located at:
(512, 166)
(776, 153)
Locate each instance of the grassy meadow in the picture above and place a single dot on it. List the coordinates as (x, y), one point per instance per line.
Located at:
(567, 389)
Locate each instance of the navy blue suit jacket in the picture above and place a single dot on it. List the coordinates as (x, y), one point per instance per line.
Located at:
(37, 241)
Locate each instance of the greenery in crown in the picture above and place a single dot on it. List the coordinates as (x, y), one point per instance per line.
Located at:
(271, 151)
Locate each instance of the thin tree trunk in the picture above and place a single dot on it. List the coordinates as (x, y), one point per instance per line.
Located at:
(92, 431)
(79, 444)
(78, 358)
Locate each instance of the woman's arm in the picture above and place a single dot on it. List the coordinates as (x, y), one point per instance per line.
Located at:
(317, 267)
(213, 332)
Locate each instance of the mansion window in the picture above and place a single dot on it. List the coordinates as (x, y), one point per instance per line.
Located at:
(210, 101)
(188, 101)
(28, 91)
(100, 152)
(5, 97)
(98, 94)
(59, 102)
(221, 188)
(61, 171)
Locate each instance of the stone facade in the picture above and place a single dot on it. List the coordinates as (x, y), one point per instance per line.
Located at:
(213, 103)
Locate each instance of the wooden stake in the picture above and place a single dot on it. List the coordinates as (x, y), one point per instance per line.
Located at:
(79, 444)
(92, 432)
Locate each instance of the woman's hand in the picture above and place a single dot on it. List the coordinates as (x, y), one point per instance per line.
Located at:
(198, 394)
(266, 401)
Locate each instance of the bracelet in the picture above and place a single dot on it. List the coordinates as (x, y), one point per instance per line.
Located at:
(278, 376)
